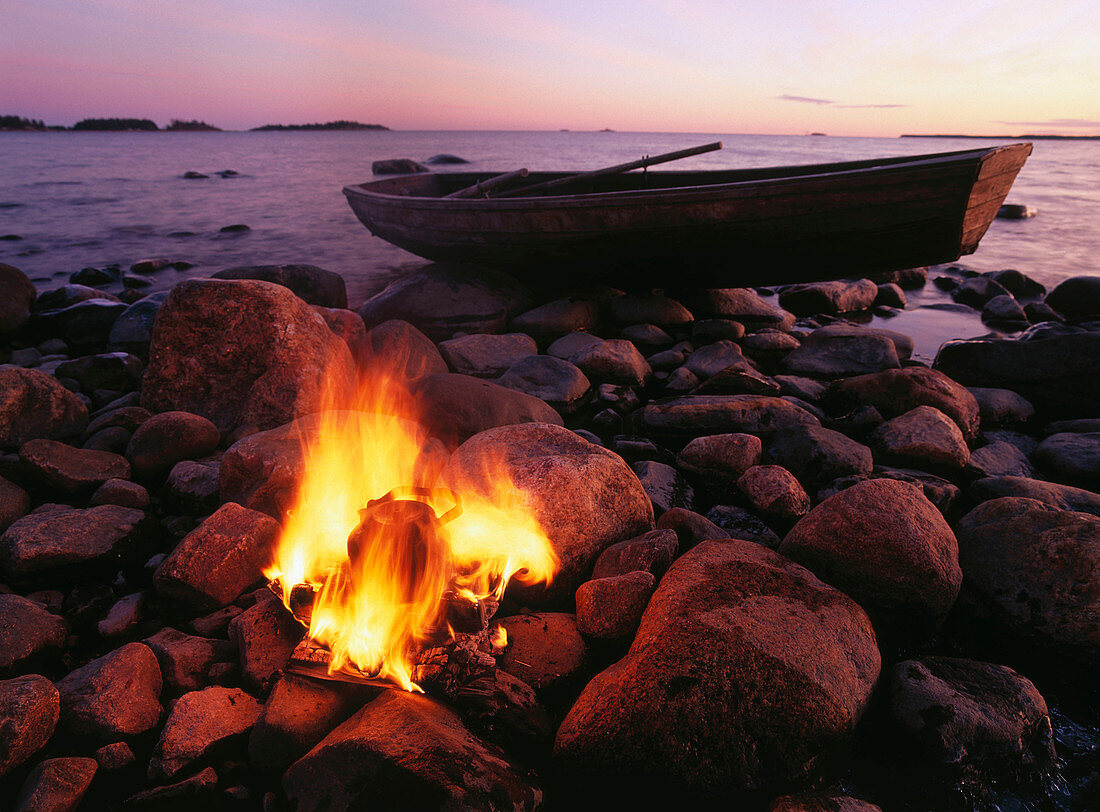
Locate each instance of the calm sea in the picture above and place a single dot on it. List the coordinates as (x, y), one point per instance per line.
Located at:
(91, 199)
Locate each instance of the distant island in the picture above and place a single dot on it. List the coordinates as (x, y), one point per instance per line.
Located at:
(1025, 137)
(192, 126)
(331, 125)
(20, 124)
(128, 124)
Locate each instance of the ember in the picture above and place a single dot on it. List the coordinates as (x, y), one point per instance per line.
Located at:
(381, 563)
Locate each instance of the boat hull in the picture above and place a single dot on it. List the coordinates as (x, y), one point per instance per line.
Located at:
(729, 229)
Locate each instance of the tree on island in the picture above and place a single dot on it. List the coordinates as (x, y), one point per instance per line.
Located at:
(331, 125)
(193, 125)
(143, 124)
(20, 123)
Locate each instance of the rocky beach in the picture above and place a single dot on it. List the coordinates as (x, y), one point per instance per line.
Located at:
(800, 569)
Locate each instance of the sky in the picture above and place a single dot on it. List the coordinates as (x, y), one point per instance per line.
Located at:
(858, 68)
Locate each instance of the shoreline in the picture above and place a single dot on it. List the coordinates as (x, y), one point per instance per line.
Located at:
(703, 451)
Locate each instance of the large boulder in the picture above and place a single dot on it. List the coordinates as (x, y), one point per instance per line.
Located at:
(407, 751)
(1077, 297)
(442, 299)
(1038, 569)
(824, 354)
(243, 353)
(34, 405)
(714, 695)
(923, 437)
(167, 438)
(833, 297)
(28, 715)
(1063, 497)
(886, 545)
(455, 407)
(817, 455)
(1071, 457)
(699, 415)
(585, 497)
(1057, 373)
(314, 285)
(16, 295)
(202, 725)
(71, 470)
(743, 305)
(896, 391)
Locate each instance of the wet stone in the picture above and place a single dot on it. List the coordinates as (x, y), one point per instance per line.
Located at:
(71, 470)
(1005, 313)
(610, 608)
(975, 292)
(890, 294)
(743, 305)
(28, 715)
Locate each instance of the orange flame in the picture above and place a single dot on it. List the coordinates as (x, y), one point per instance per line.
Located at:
(380, 580)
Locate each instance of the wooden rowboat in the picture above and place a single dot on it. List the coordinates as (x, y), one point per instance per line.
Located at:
(724, 228)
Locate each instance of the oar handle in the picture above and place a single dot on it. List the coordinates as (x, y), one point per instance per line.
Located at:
(484, 186)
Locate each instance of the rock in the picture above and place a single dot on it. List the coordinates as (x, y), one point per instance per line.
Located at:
(545, 650)
(113, 370)
(34, 405)
(769, 348)
(314, 285)
(681, 380)
(1035, 566)
(456, 407)
(123, 617)
(397, 166)
(486, 356)
(215, 623)
(615, 360)
(71, 470)
(1005, 313)
(829, 297)
(649, 335)
(572, 344)
(1016, 211)
(970, 716)
(1076, 298)
(350, 328)
(16, 295)
(739, 523)
(774, 491)
(67, 295)
(167, 438)
(265, 635)
(27, 632)
(446, 158)
(1063, 497)
(720, 458)
(923, 437)
(890, 294)
(610, 608)
(243, 353)
(895, 392)
(978, 290)
(998, 459)
(14, 503)
(218, 560)
(664, 485)
(700, 415)
(690, 527)
(202, 725)
(558, 382)
(557, 318)
(194, 485)
(668, 359)
(651, 552)
(1070, 458)
(1056, 373)
(584, 496)
(55, 541)
(817, 455)
(299, 713)
(83, 325)
(882, 542)
(114, 757)
(185, 660)
(713, 696)
(734, 381)
(404, 350)
(821, 802)
(28, 716)
(407, 750)
(652, 309)
(442, 299)
(714, 358)
(827, 355)
(903, 344)
(121, 492)
(113, 697)
(1001, 407)
(743, 305)
(190, 793)
(706, 331)
(56, 784)
(1038, 312)
(126, 417)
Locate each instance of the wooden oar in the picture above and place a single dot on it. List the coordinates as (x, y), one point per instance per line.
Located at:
(484, 186)
(641, 163)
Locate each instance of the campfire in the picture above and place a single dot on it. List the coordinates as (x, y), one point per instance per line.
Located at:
(395, 573)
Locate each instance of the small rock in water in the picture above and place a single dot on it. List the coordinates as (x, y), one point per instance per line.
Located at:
(1016, 211)
(446, 158)
(191, 174)
(397, 166)
(235, 228)
(150, 265)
